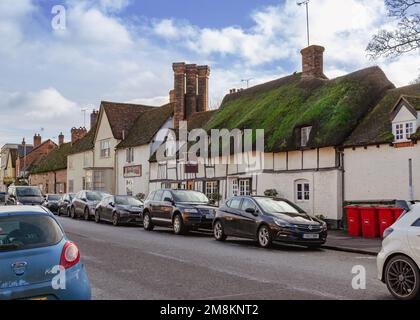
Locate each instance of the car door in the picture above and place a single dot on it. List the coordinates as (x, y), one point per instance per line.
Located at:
(78, 203)
(108, 205)
(247, 222)
(166, 207)
(232, 215)
(413, 235)
(155, 206)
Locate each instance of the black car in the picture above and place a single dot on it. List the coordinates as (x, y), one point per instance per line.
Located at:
(84, 204)
(266, 220)
(183, 210)
(119, 210)
(51, 202)
(64, 204)
(24, 195)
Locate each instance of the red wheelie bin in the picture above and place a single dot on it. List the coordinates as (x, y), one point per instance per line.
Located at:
(370, 223)
(354, 221)
(386, 218)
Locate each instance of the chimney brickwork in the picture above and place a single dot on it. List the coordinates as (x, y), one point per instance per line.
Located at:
(191, 90)
(60, 139)
(203, 88)
(77, 134)
(179, 90)
(37, 140)
(93, 118)
(313, 62)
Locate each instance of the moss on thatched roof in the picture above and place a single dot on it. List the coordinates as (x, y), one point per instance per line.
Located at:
(376, 127)
(332, 107)
(56, 160)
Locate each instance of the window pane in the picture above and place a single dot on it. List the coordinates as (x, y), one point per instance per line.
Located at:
(247, 204)
(235, 203)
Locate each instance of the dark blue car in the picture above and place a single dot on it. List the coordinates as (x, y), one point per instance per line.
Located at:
(37, 261)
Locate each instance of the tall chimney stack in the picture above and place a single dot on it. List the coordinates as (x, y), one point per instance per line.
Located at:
(37, 140)
(191, 90)
(93, 118)
(60, 139)
(77, 134)
(313, 62)
(172, 96)
(179, 90)
(203, 88)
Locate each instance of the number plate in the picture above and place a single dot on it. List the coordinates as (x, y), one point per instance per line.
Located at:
(310, 236)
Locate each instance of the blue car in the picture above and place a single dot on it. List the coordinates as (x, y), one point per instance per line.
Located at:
(37, 261)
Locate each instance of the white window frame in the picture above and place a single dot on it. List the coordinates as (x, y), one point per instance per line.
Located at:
(241, 187)
(303, 191)
(304, 136)
(403, 130)
(211, 188)
(129, 155)
(105, 148)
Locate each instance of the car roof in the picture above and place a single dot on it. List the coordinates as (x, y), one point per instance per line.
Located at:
(17, 210)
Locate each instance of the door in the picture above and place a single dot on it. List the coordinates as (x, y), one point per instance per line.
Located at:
(247, 223)
(155, 207)
(108, 208)
(78, 203)
(166, 206)
(232, 216)
(414, 239)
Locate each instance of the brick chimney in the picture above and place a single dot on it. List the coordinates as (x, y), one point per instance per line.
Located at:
(191, 90)
(172, 96)
(37, 140)
(60, 139)
(93, 118)
(313, 62)
(203, 88)
(179, 91)
(77, 134)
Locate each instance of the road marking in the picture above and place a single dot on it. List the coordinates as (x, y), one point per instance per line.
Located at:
(168, 257)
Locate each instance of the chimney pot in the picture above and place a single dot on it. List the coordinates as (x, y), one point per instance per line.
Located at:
(60, 139)
(77, 134)
(37, 140)
(93, 118)
(313, 62)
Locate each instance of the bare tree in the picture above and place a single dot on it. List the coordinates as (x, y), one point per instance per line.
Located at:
(417, 81)
(405, 38)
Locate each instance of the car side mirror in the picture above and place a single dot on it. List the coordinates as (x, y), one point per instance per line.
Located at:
(252, 211)
(112, 204)
(84, 199)
(167, 199)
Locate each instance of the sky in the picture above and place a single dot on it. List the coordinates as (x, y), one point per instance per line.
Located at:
(123, 50)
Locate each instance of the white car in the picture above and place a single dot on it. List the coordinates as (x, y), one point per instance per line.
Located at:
(399, 260)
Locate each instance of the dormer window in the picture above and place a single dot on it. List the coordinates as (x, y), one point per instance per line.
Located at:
(403, 131)
(304, 136)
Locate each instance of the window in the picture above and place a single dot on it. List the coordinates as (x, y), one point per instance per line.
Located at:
(99, 180)
(71, 186)
(129, 187)
(235, 187)
(248, 204)
(403, 131)
(167, 194)
(304, 136)
(105, 149)
(302, 191)
(151, 196)
(212, 189)
(86, 160)
(235, 203)
(417, 223)
(70, 165)
(241, 187)
(130, 155)
(158, 196)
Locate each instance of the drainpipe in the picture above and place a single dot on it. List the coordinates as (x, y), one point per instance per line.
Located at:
(410, 179)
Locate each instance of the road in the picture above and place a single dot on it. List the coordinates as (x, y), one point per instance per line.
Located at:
(130, 263)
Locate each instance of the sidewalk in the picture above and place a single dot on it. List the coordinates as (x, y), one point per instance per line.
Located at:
(340, 241)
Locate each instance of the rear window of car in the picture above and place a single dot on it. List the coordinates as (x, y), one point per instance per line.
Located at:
(235, 203)
(22, 232)
(28, 192)
(53, 197)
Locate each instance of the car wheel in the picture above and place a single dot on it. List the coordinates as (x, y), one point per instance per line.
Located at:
(178, 225)
(86, 214)
(147, 222)
(402, 278)
(73, 213)
(264, 237)
(218, 231)
(97, 216)
(115, 220)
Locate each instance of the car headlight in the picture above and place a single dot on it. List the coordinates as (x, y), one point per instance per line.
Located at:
(283, 224)
(192, 210)
(18, 203)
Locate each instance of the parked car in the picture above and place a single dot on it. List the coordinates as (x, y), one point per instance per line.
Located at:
(51, 202)
(84, 204)
(399, 259)
(265, 220)
(24, 195)
(64, 204)
(119, 210)
(183, 210)
(2, 197)
(33, 246)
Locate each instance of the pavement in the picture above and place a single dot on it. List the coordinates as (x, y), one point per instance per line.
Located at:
(126, 263)
(340, 241)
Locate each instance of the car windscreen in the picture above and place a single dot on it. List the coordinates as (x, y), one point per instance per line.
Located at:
(22, 232)
(71, 196)
(128, 201)
(53, 197)
(189, 196)
(274, 206)
(93, 196)
(28, 192)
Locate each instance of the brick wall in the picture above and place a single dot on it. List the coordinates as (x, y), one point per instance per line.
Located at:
(50, 182)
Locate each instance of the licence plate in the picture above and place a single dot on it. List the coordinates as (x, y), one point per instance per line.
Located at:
(310, 236)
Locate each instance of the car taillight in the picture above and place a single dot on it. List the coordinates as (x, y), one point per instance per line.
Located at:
(387, 232)
(70, 255)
